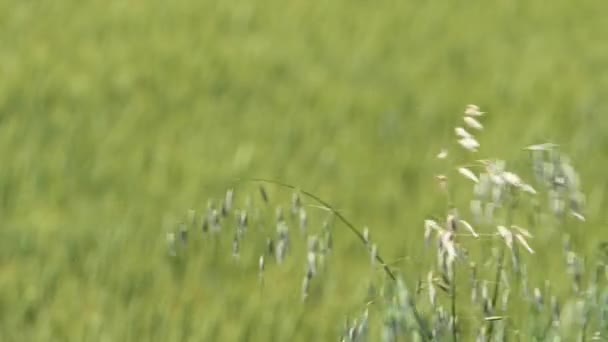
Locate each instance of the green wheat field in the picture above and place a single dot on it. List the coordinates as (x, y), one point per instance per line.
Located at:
(131, 133)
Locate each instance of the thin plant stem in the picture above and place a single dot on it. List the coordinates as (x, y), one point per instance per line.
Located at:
(425, 333)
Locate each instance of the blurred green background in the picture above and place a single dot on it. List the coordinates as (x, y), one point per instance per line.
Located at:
(118, 116)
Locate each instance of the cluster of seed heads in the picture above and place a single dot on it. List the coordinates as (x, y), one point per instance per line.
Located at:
(476, 248)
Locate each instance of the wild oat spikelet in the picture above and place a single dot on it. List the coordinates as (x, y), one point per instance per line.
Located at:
(470, 144)
(468, 226)
(471, 122)
(468, 174)
(473, 110)
(462, 133)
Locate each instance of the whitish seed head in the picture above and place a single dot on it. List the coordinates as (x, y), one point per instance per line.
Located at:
(468, 174)
(311, 259)
(522, 231)
(528, 188)
(506, 235)
(522, 241)
(512, 179)
(473, 110)
(473, 123)
(470, 144)
(431, 289)
(442, 154)
(468, 227)
(462, 133)
(541, 147)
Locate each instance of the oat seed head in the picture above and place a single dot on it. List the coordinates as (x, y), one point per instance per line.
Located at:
(468, 174)
(473, 123)
(473, 110)
(470, 144)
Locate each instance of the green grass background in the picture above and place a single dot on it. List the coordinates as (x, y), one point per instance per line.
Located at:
(118, 116)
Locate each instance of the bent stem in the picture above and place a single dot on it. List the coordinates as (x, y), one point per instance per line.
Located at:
(425, 333)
